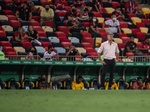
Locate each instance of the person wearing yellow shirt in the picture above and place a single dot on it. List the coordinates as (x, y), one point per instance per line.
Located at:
(47, 14)
(113, 87)
(78, 85)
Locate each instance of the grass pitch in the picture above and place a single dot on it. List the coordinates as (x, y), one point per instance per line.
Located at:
(74, 101)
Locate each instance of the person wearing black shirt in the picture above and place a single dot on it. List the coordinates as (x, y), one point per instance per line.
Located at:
(33, 35)
(72, 52)
(24, 13)
(130, 46)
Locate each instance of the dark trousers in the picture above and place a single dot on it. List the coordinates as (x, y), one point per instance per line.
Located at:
(111, 65)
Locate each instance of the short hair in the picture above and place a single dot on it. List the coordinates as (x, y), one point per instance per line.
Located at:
(49, 47)
(139, 78)
(80, 77)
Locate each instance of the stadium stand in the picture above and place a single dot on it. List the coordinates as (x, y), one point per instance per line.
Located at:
(57, 32)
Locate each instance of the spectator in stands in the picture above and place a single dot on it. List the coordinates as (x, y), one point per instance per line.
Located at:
(114, 25)
(20, 35)
(84, 16)
(50, 54)
(24, 13)
(43, 83)
(72, 52)
(75, 27)
(93, 29)
(118, 13)
(31, 54)
(78, 85)
(98, 6)
(130, 46)
(131, 7)
(78, 3)
(144, 1)
(33, 35)
(138, 84)
(59, 6)
(47, 14)
(145, 46)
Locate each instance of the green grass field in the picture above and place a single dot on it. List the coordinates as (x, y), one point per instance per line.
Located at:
(74, 101)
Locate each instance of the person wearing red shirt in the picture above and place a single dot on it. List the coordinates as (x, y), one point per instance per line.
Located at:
(20, 35)
(118, 13)
(138, 84)
(131, 6)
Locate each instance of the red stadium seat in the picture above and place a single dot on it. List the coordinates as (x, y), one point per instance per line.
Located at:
(44, 2)
(129, 54)
(26, 44)
(125, 39)
(2, 34)
(8, 1)
(62, 39)
(60, 34)
(5, 43)
(63, 29)
(8, 12)
(34, 23)
(101, 30)
(121, 45)
(141, 36)
(67, 8)
(90, 40)
(97, 14)
(123, 24)
(86, 34)
(146, 21)
(122, 35)
(135, 30)
(132, 15)
(86, 24)
(115, 4)
(66, 44)
(11, 17)
(139, 45)
(15, 23)
(103, 34)
(8, 49)
(49, 23)
(65, 3)
(11, 53)
(46, 44)
(61, 13)
(36, 18)
(38, 28)
(41, 33)
(93, 54)
(140, 25)
(86, 44)
(89, 50)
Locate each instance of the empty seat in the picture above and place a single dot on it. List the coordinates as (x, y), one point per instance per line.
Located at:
(2, 34)
(98, 41)
(11, 17)
(42, 34)
(144, 29)
(53, 39)
(89, 50)
(19, 49)
(60, 34)
(47, 29)
(7, 28)
(126, 30)
(74, 39)
(100, 20)
(66, 44)
(145, 10)
(115, 4)
(3, 17)
(81, 50)
(123, 24)
(109, 10)
(86, 44)
(136, 20)
(46, 44)
(34, 23)
(40, 49)
(26, 44)
(60, 50)
(5, 43)
(37, 28)
(63, 29)
(118, 40)
(125, 39)
(8, 49)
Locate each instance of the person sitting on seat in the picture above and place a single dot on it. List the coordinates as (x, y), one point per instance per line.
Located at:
(138, 84)
(119, 14)
(72, 52)
(13, 84)
(50, 54)
(43, 83)
(33, 35)
(47, 14)
(78, 85)
(20, 35)
(2, 84)
(113, 87)
(131, 7)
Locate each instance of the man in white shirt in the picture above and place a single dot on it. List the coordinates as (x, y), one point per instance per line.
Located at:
(110, 52)
(114, 25)
(50, 54)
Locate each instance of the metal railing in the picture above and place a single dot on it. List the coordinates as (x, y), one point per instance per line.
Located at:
(77, 58)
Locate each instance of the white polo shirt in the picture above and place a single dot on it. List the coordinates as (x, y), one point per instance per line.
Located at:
(109, 51)
(49, 55)
(113, 26)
